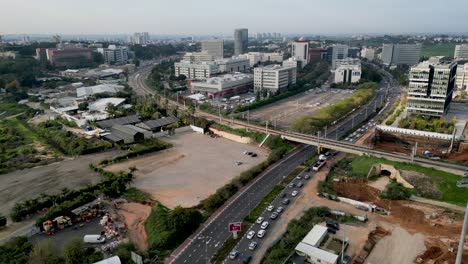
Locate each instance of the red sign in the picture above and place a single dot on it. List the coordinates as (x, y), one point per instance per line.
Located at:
(234, 227)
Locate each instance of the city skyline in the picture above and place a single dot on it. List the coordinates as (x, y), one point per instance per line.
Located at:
(184, 17)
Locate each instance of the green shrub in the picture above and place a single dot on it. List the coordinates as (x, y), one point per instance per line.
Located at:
(395, 191)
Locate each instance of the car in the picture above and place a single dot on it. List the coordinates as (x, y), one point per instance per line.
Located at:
(299, 177)
(247, 260)
(274, 215)
(270, 208)
(283, 195)
(233, 254)
(334, 152)
(94, 239)
(328, 153)
(307, 169)
(264, 225)
(261, 233)
(291, 185)
(280, 209)
(331, 230)
(285, 201)
(249, 153)
(260, 220)
(306, 177)
(251, 234)
(252, 245)
(254, 155)
(294, 193)
(299, 184)
(346, 259)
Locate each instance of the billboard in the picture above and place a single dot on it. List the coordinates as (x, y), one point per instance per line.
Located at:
(235, 227)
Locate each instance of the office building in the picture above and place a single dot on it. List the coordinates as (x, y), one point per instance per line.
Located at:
(316, 54)
(291, 62)
(300, 51)
(353, 52)
(461, 52)
(195, 70)
(348, 71)
(368, 53)
(226, 85)
(234, 64)
(431, 86)
(198, 56)
(214, 47)
(462, 78)
(256, 58)
(241, 41)
(114, 55)
(336, 52)
(274, 78)
(69, 57)
(401, 54)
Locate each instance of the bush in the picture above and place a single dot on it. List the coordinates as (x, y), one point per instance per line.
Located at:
(15, 251)
(395, 191)
(148, 146)
(3, 221)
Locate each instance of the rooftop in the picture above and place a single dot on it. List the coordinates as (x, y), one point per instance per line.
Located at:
(317, 252)
(228, 78)
(101, 88)
(133, 119)
(314, 237)
(101, 104)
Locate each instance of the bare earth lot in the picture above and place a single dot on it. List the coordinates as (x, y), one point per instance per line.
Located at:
(192, 170)
(29, 183)
(285, 111)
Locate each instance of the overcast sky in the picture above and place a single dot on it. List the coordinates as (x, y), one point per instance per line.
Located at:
(222, 16)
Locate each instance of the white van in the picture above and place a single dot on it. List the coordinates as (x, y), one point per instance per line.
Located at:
(94, 239)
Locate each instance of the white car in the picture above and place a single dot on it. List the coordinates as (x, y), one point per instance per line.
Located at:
(251, 234)
(270, 208)
(261, 233)
(264, 225)
(94, 239)
(294, 193)
(252, 245)
(259, 220)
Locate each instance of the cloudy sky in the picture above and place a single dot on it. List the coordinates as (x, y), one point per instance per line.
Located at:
(222, 16)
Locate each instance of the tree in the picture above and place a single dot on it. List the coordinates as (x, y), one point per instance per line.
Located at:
(15, 251)
(83, 106)
(45, 252)
(73, 252)
(136, 62)
(184, 220)
(111, 109)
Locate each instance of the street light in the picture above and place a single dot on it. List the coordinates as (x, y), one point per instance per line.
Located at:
(206, 247)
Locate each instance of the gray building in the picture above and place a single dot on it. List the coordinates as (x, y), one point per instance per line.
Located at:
(336, 52)
(213, 47)
(431, 87)
(241, 41)
(121, 134)
(401, 54)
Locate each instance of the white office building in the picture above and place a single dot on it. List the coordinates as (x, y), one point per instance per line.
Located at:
(291, 62)
(462, 78)
(226, 85)
(273, 78)
(300, 51)
(368, 53)
(401, 54)
(348, 72)
(234, 64)
(195, 70)
(114, 54)
(260, 57)
(214, 47)
(431, 86)
(461, 52)
(198, 56)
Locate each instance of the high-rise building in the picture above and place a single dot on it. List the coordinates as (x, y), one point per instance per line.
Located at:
(241, 41)
(431, 87)
(24, 39)
(336, 52)
(462, 78)
(140, 38)
(274, 78)
(368, 53)
(401, 54)
(461, 52)
(300, 51)
(214, 47)
(1, 42)
(114, 54)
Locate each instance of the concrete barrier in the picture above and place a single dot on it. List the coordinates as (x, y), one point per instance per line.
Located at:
(236, 138)
(394, 174)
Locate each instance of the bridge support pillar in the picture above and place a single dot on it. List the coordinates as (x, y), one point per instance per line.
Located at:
(319, 149)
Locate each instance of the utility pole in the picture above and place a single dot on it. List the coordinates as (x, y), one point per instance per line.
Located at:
(325, 136)
(266, 127)
(462, 238)
(219, 113)
(248, 119)
(318, 142)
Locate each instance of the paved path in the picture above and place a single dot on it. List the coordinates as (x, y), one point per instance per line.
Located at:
(437, 203)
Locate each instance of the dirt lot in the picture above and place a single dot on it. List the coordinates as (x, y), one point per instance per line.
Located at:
(134, 216)
(29, 183)
(285, 111)
(190, 171)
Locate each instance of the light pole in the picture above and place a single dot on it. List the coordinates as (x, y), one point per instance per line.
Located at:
(206, 247)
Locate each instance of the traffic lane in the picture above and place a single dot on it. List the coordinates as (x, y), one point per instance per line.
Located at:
(241, 207)
(243, 245)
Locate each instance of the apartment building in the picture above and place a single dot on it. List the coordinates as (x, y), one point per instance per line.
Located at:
(195, 70)
(401, 54)
(274, 78)
(431, 87)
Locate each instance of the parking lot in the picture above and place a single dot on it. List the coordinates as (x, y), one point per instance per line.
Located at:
(194, 168)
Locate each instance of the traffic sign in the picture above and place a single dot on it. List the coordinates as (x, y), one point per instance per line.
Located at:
(235, 227)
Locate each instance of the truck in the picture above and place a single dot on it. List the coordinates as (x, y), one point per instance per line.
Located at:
(322, 157)
(318, 165)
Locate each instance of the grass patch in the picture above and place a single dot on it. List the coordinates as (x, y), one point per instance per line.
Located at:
(444, 181)
(135, 195)
(438, 49)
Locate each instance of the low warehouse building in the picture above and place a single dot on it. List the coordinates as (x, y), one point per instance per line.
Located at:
(157, 125)
(121, 134)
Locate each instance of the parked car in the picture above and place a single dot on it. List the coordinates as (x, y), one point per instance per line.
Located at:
(261, 233)
(260, 220)
(283, 195)
(299, 184)
(307, 169)
(298, 177)
(233, 254)
(331, 230)
(285, 201)
(94, 239)
(270, 208)
(294, 193)
(247, 260)
(279, 209)
(254, 155)
(274, 215)
(291, 185)
(306, 177)
(346, 259)
(252, 245)
(251, 234)
(264, 225)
